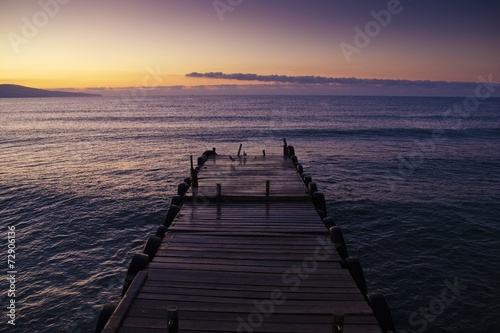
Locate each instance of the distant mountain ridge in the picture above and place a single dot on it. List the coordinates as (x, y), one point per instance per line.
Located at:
(17, 91)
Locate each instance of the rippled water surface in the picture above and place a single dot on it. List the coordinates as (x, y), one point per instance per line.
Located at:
(415, 188)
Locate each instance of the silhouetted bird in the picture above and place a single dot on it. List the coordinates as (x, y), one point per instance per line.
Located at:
(232, 158)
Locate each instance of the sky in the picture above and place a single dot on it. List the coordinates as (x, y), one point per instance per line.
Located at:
(338, 47)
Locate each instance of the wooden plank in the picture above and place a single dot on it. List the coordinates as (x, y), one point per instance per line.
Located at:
(148, 292)
(304, 251)
(174, 249)
(289, 280)
(216, 287)
(232, 326)
(238, 268)
(121, 310)
(283, 234)
(297, 322)
(283, 264)
(126, 329)
(288, 307)
(373, 328)
(255, 251)
(301, 323)
(254, 228)
(237, 256)
(250, 243)
(286, 241)
(252, 231)
(219, 316)
(249, 224)
(239, 246)
(232, 217)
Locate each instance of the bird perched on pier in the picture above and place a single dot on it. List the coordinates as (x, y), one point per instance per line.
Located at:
(232, 158)
(244, 154)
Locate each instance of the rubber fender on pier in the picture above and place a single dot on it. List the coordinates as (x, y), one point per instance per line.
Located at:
(354, 267)
(300, 168)
(201, 160)
(138, 263)
(182, 189)
(171, 213)
(151, 246)
(209, 153)
(177, 200)
(294, 159)
(106, 312)
(307, 179)
(162, 230)
(381, 311)
(319, 203)
(329, 222)
(290, 151)
(188, 180)
(338, 240)
(312, 187)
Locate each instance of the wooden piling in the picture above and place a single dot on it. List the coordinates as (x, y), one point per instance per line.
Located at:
(172, 319)
(219, 191)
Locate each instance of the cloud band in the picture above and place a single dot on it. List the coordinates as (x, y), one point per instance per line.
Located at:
(339, 81)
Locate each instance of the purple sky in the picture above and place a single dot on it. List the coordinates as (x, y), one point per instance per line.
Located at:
(102, 44)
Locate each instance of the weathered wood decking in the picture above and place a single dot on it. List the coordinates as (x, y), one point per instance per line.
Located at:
(243, 260)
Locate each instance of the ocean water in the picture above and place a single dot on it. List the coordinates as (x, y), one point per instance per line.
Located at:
(413, 182)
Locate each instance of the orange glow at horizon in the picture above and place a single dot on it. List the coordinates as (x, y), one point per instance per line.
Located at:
(91, 44)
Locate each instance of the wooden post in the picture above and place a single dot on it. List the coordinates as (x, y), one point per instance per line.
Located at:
(239, 150)
(264, 152)
(172, 320)
(285, 147)
(194, 174)
(268, 187)
(338, 323)
(219, 191)
(194, 178)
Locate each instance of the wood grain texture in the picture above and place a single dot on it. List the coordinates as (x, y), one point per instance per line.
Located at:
(246, 262)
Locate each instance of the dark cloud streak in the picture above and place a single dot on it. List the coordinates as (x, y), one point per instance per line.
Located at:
(321, 80)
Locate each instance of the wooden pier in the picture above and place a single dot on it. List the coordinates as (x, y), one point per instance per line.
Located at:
(247, 246)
